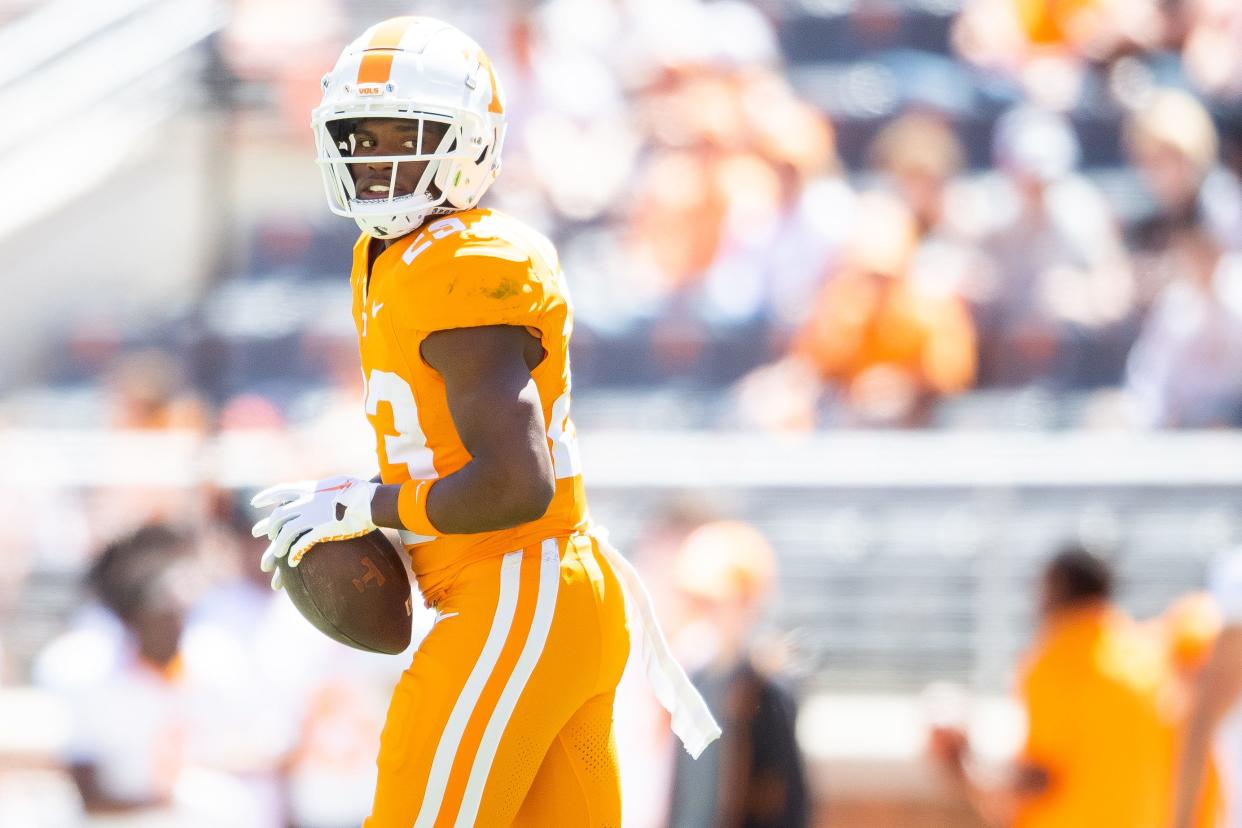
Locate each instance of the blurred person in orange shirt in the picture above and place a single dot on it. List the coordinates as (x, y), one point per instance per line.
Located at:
(147, 391)
(889, 342)
(1051, 23)
(1049, 45)
(754, 776)
(789, 209)
(150, 390)
(1097, 744)
(1185, 369)
(919, 158)
(739, 209)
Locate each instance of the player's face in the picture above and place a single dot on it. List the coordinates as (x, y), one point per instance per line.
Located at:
(386, 137)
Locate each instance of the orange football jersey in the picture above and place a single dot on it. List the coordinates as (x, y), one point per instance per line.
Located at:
(472, 268)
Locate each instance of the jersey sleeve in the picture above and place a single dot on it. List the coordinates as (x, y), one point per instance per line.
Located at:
(479, 281)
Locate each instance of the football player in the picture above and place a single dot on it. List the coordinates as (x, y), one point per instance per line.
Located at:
(463, 317)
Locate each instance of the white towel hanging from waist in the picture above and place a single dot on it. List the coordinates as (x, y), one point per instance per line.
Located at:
(692, 721)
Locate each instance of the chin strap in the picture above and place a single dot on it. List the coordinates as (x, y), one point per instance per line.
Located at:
(692, 721)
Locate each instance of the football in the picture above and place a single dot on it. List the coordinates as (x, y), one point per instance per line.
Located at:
(354, 591)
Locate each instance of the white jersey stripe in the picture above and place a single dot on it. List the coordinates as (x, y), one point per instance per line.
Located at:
(450, 739)
(545, 608)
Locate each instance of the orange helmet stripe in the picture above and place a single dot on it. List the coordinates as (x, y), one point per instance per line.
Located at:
(376, 65)
(495, 106)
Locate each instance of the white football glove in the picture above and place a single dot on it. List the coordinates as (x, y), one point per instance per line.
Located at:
(308, 512)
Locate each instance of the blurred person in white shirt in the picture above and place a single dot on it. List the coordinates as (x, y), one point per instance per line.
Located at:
(294, 716)
(167, 721)
(1174, 145)
(1062, 276)
(1185, 370)
(120, 675)
(256, 660)
(121, 678)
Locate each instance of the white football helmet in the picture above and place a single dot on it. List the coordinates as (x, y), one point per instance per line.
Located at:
(422, 70)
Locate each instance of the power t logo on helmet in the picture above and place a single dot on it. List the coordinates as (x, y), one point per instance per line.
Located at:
(441, 83)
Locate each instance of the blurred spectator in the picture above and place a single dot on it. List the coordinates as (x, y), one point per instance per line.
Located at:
(734, 212)
(293, 716)
(1185, 370)
(644, 751)
(1173, 144)
(256, 659)
(784, 226)
(121, 677)
(886, 341)
(754, 775)
(1097, 748)
(150, 390)
(1213, 29)
(171, 718)
(1048, 45)
(1054, 24)
(1062, 279)
(1213, 711)
(919, 156)
(1187, 631)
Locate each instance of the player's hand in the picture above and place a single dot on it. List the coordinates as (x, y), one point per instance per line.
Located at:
(308, 512)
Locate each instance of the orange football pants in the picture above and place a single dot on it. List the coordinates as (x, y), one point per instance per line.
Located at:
(505, 715)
